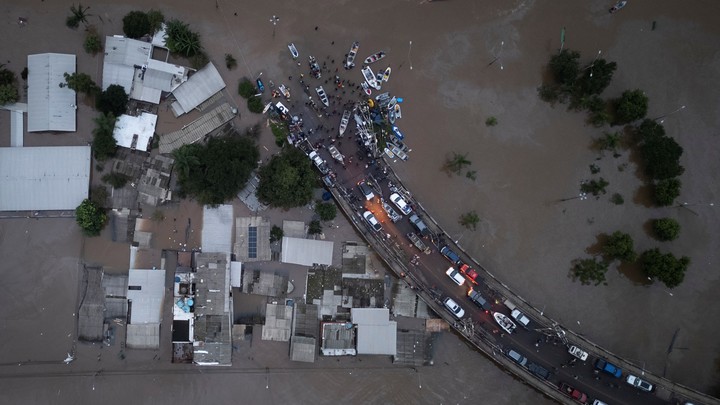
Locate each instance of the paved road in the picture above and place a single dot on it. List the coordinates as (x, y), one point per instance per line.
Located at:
(540, 346)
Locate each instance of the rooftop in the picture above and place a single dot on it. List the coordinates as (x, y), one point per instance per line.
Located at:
(278, 318)
(306, 252)
(50, 107)
(217, 228)
(146, 293)
(196, 130)
(252, 239)
(199, 87)
(376, 333)
(135, 132)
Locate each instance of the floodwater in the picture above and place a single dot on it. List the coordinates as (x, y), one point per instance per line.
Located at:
(440, 53)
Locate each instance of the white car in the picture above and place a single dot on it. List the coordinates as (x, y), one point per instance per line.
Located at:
(454, 308)
(578, 352)
(455, 276)
(374, 223)
(400, 203)
(520, 317)
(638, 383)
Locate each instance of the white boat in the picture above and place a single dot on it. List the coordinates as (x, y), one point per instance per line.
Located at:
(366, 88)
(369, 77)
(284, 91)
(350, 59)
(335, 153)
(398, 111)
(391, 116)
(386, 75)
(344, 122)
(389, 153)
(293, 50)
(382, 96)
(504, 322)
(398, 152)
(619, 5)
(374, 57)
(323, 96)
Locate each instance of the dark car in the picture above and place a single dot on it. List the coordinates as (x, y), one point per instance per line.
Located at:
(573, 393)
(479, 300)
(469, 272)
(539, 370)
(516, 357)
(450, 255)
(608, 367)
(419, 225)
(366, 190)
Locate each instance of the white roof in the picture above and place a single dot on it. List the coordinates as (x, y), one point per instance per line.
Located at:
(127, 126)
(146, 290)
(306, 252)
(44, 178)
(217, 229)
(376, 333)
(198, 88)
(50, 107)
(236, 274)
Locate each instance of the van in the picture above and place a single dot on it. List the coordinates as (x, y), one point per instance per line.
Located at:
(419, 225)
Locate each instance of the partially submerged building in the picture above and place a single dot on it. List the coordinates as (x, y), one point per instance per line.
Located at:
(146, 295)
(212, 342)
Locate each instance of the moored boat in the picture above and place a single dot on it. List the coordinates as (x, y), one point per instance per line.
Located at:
(389, 153)
(323, 96)
(344, 122)
(350, 59)
(284, 91)
(374, 57)
(391, 116)
(369, 77)
(398, 152)
(386, 75)
(314, 67)
(366, 88)
(398, 111)
(335, 153)
(504, 322)
(293, 50)
(619, 5)
(399, 135)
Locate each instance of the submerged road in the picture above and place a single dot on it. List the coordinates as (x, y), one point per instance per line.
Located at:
(543, 343)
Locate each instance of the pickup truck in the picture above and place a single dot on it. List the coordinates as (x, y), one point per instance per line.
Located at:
(419, 225)
(479, 300)
(608, 367)
(319, 162)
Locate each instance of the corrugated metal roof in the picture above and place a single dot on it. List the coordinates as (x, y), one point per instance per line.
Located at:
(217, 229)
(146, 290)
(306, 252)
(376, 334)
(44, 178)
(198, 88)
(50, 107)
(197, 129)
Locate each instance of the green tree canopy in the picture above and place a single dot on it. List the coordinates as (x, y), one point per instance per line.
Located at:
(666, 229)
(589, 271)
(113, 100)
(565, 66)
(666, 191)
(595, 187)
(661, 157)
(664, 267)
(649, 129)
(93, 42)
(104, 144)
(77, 15)
(620, 246)
(287, 180)
(470, 220)
(631, 106)
(136, 24)
(326, 211)
(156, 19)
(217, 171)
(8, 94)
(276, 233)
(457, 162)
(246, 88)
(314, 228)
(596, 77)
(90, 217)
(81, 83)
(180, 39)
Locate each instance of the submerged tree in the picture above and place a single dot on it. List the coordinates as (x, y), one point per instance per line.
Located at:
(589, 271)
(631, 106)
(470, 220)
(620, 246)
(664, 267)
(78, 15)
(456, 163)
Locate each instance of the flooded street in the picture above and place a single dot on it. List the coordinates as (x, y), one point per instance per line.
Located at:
(455, 63)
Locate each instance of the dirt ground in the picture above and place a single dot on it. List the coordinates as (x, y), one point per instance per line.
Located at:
(536, 155)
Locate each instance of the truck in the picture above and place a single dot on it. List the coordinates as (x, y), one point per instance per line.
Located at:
(479, 300)
(419, 225)
(319, 162)
(608, 367)
(418, 243)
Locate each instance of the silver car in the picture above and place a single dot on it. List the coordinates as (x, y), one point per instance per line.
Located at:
(638, 383)
(374, 223)
(454, 308)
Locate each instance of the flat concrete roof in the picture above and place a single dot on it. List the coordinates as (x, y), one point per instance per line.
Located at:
(139, 129)
(306, 251)
(217, 229)
(376, 333)
(50, 107)
(146, 291)
(44, 178)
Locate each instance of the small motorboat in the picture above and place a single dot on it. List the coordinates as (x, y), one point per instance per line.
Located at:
(344, 122)
(398, 152)
(335, 153)
(389, 153)
(350, 59)
(374, 57)
(314, 67)
(323, 96)
(366, 88)
(504, 322)
(386, 75)
(369, 77)
(618, 6)
(391, 116)
(398, 111)
(382, 96)
(293, 50)
(260, 85)
(397, 133)
(284, 91)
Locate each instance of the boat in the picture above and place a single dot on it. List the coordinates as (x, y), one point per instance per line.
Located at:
(399, 135)
(504, 322)
(392, 214)
(391, 116)
(260, 85)
(344, 122)
(369, 77)
(366, 88)
(314, 67)
(389, 153)
(293, 50)
(619, 5)
(379, 77)
(267, 107)
(418, 243)
(381, 96)
(335, 153)
(386, 75)
(398, 152)
(398, 111)
(374, 57)
(350, 59)
(323, 96)
(284, 91)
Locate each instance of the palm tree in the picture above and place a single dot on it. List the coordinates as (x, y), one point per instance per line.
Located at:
(610, 141)
(188, 43)
(469, 220)
(457, 162)
(79, 15)
(185, 159)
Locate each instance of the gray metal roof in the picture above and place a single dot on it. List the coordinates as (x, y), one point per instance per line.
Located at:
(197, 129)
(146, 290)
(44, 178)
(198, 88)
(217, 229)
(376, 334)
(121, 55)
(306, 251)
(50, 107)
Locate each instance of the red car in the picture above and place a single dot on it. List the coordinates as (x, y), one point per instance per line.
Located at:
(573, 393)
(469, 272)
